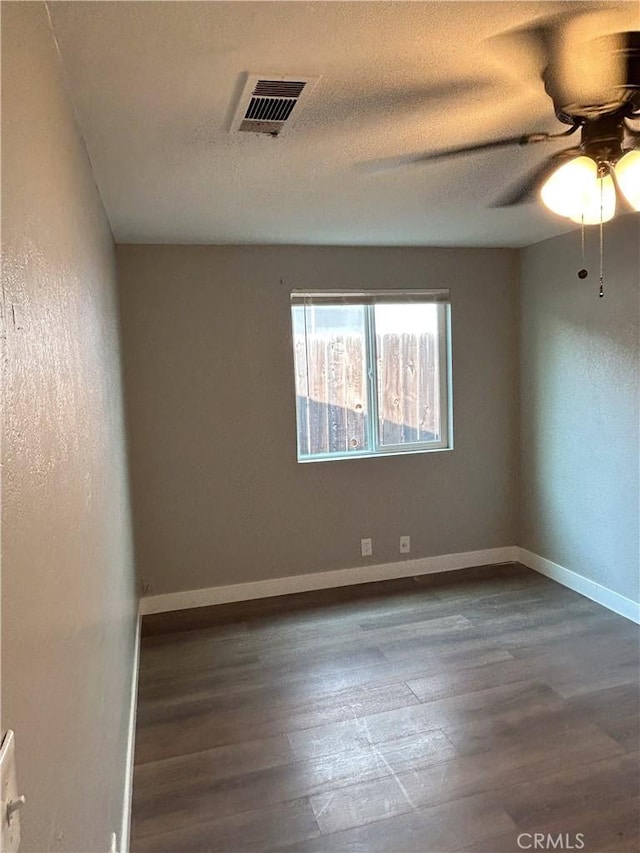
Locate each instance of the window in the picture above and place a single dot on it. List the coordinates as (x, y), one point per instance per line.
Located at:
(371, 372)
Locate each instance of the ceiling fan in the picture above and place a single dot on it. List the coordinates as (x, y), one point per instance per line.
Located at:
(594, 84)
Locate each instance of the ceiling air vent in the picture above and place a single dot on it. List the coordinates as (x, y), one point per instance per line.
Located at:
(269, 104)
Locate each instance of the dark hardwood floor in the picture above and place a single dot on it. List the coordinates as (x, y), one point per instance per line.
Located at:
(446, 713)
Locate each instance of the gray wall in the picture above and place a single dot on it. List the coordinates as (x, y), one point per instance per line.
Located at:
(580, 412)
(218, 495)
(68, 598)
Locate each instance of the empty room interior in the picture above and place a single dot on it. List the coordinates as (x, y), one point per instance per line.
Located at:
(321, 427)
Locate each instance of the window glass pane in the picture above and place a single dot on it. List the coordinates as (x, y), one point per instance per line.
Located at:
(408, 366)
(331, 378)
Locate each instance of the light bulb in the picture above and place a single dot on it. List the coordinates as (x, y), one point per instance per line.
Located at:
(565, 191)
(599, 204)
(628, 175)
(575, 191)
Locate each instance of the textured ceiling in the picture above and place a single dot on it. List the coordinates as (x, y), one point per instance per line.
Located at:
(155, 86)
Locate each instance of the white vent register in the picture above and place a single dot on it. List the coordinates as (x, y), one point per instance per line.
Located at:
(268, 104)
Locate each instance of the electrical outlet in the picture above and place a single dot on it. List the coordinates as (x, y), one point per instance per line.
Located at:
(405, 544)
(366, 547)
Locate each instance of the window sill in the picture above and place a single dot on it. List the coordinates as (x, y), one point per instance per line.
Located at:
(334, 457)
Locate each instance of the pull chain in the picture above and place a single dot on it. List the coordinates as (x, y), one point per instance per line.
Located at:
(582, 273)
(601, 291)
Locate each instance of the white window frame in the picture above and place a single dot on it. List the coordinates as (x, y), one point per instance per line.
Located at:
(369, 299)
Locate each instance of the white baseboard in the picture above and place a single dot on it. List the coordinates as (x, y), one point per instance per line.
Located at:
(590, 589)
(324, 580)
(125, 829)
(389, 571)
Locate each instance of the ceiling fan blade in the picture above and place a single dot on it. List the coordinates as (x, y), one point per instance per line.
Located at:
(583, 56)
(390, 103)
(632, 59)
(525, 190)
(591, 70)
(535, 43)
(616, 57)
(444, 154)
(430, 156)
(385, 101)
(506, 142)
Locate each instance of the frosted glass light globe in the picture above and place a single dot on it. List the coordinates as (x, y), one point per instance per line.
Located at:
(599, 204)
(575, 191)
(628, 175)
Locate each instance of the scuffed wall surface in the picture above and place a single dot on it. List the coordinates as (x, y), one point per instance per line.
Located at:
(580, 406)
(68, 591)
(219, 497)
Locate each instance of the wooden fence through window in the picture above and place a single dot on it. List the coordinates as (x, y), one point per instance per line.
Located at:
(331, 390)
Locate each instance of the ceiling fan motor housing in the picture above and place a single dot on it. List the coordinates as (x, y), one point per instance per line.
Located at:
(603, 137)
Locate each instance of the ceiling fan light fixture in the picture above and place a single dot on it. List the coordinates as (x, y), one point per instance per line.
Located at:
(599, 204)
(628, 177)
(575, 191)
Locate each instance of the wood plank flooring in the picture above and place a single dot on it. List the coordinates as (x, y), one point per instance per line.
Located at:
(455, 712)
